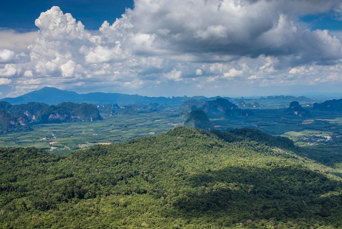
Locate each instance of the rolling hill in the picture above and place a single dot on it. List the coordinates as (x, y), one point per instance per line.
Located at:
(185, 178)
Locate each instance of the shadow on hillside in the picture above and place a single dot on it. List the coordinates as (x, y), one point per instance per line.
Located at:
(329, 155)
(255, 193)
(257, 136)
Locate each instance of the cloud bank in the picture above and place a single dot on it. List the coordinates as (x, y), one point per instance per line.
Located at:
(211, 44)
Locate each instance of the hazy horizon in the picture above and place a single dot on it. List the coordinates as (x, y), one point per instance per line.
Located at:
(316, 95)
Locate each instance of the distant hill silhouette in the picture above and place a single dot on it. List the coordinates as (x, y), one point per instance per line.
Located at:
(297, 110)
(50, 95)
(330, 105)
(199, 120)
(216, 108)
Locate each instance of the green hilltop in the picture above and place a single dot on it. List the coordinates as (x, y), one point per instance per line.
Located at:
(185, 178)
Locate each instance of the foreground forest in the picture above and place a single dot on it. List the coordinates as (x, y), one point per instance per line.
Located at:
(184, 178)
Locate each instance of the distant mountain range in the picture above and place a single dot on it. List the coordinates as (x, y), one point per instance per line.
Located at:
(50, 95)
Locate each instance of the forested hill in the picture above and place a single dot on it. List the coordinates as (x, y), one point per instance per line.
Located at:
(20, 117)
(219, 107)
(185, 178)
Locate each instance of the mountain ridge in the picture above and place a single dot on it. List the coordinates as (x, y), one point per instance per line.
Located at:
(52, 96)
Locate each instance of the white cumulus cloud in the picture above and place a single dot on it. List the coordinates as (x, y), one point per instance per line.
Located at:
(13, 40)
(6, 55)
(68, 68)
(5, 81)
(233, 73)
(8, 70)
(159, 43)
(174, 75)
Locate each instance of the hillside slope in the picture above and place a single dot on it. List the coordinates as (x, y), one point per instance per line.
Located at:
(184, 178)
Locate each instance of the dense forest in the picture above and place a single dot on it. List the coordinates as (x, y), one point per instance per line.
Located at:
(184, 178)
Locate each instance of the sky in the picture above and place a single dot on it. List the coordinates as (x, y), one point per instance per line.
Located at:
(172, 48)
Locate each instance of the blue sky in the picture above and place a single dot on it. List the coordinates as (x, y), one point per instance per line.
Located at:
(170, 48)
(20, 15)
(329, 21)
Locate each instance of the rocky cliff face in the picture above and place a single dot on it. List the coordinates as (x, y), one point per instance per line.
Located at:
(19, 117)
(11, 123)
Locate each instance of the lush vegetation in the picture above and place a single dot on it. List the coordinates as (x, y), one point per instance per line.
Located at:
(257, 136)
(184, 178)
